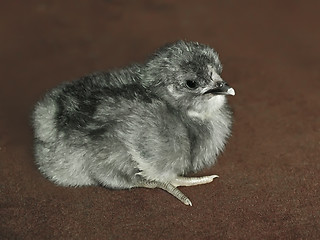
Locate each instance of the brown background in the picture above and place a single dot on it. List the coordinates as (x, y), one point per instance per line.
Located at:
(269, 174)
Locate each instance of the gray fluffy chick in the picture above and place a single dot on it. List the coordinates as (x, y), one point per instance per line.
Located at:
(147, 125)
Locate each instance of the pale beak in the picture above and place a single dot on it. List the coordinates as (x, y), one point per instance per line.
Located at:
(221, 88)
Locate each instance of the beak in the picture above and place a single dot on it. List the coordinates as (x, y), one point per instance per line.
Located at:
(221, 88)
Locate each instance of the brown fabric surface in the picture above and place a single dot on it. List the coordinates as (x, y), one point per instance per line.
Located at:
(269, 174)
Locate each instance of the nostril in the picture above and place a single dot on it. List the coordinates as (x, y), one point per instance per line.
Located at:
(219, 84)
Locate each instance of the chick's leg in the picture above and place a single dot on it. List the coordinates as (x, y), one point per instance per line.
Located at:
(191, 181)
(167, 187)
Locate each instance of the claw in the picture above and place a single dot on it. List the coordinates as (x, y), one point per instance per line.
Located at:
(188, 202)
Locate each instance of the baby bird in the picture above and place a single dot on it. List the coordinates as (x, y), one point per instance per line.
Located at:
(146, 125)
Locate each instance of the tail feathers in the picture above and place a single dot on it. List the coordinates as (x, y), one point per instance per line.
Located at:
(44, 122)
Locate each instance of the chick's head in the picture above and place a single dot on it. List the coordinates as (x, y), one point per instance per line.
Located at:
(185, 74)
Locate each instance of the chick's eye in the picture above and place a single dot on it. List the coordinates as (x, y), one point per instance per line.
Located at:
(191, 84)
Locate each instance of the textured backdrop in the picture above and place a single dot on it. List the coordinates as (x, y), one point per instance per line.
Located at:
(269, 174)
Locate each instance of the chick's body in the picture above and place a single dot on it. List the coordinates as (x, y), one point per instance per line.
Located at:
(142, 126)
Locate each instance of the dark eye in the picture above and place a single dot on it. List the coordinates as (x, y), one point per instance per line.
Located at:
(191, 84)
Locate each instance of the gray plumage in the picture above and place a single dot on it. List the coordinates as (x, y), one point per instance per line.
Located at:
(146, 125)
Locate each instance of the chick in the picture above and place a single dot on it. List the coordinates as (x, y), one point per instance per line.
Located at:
(146, 125)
